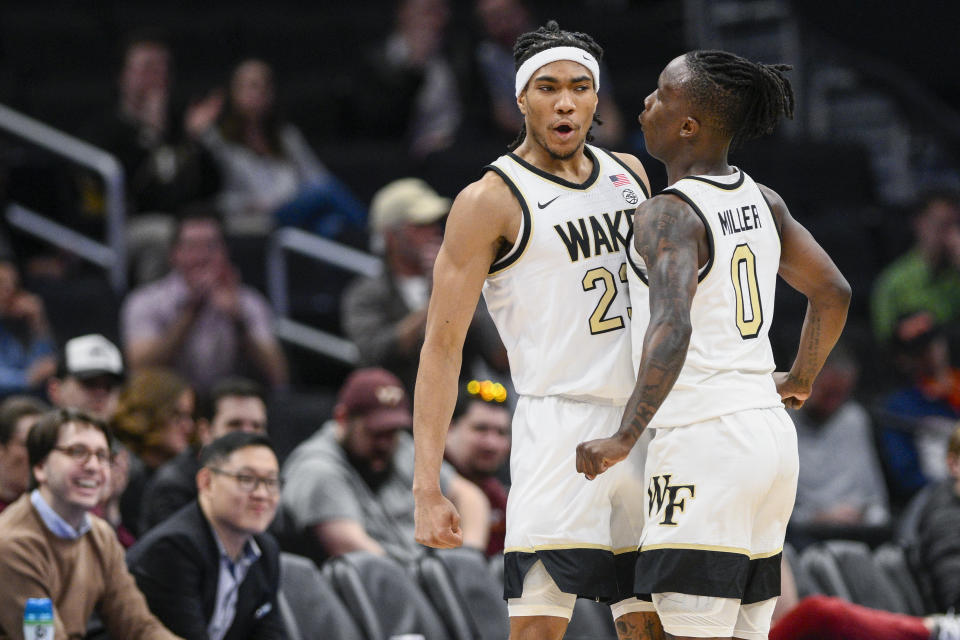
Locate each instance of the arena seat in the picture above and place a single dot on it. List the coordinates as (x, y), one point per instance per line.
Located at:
(806, 585)
(463, 591)
(892, 560)
(308, 605)
(591, 621)
(822, 568)
(384, 600)
(867, 583)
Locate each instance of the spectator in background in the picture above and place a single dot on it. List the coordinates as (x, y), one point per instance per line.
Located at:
(917, 418)
(501, 23)
(110, 503)
(89, 377)
(165, 168)
(349, 485)
(200, 319)
(17, 415)
(154, 420)
(478, 443)
(53, 548)
(938, 531)
(386, 315)
(270, 174)
(415, 92)
(235, 404)
(158, 147)
(211, 570)
(27, 353)
(927, 278)
(841, 483)
(820, 617)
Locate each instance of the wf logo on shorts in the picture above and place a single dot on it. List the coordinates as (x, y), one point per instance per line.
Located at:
(661, 495)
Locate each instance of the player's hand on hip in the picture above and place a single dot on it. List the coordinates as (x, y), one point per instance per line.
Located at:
(596, 456)
(437, 522)
(792, 391)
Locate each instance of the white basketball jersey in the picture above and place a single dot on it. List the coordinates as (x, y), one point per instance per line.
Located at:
(559, 297)
(729, 361)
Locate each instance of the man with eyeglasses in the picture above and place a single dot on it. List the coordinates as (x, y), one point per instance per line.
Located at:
(52, 547)
(211, 571)
(234, 404)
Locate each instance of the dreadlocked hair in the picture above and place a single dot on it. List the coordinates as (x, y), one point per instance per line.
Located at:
(546, 37)
(744, 99)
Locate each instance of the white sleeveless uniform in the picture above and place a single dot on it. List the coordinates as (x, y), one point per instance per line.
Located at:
(722, 469)
(729, 360)
(560, 302)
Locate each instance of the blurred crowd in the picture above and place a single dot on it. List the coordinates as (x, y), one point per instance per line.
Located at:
(188, 360)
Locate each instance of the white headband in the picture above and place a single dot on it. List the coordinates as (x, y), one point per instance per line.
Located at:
(574, 54)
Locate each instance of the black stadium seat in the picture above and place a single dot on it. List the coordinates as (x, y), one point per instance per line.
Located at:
(868, 584)
(467, 596)
(383, 598)
(591, 621)
(892, 560)
(439, 586)
(822, 568)
(806, 586)
(308, 605)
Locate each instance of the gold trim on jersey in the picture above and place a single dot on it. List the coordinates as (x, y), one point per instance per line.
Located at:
(523, 239)
(708, 547)
(592, 180)
(561, 547)
(705, 271)
(773, 218)
(723, 186)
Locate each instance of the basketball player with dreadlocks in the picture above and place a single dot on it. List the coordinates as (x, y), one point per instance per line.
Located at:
(721, 471)
(543, 233)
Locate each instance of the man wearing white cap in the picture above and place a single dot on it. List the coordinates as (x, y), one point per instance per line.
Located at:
(544, 234)
(89, 376)
(385, 316)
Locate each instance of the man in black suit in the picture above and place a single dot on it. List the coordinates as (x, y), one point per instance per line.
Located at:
(234, 404)
(210, 571)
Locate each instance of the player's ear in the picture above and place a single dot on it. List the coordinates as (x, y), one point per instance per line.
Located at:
(690, 127)
(522, 102)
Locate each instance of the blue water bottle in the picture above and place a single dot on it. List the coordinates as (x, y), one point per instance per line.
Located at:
(38, 619)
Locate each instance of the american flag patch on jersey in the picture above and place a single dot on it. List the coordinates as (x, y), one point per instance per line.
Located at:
(619, 180)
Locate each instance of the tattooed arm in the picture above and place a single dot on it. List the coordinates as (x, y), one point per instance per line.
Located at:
(672, 241)
(806, 267)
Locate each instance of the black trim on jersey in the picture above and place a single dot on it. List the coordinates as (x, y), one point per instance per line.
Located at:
(589, 573)
(586, 184)
(772, 215)
(629, 170)
(718, 574)
(521, 243)
(634, 265)
(680, 194)
(718, 185)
